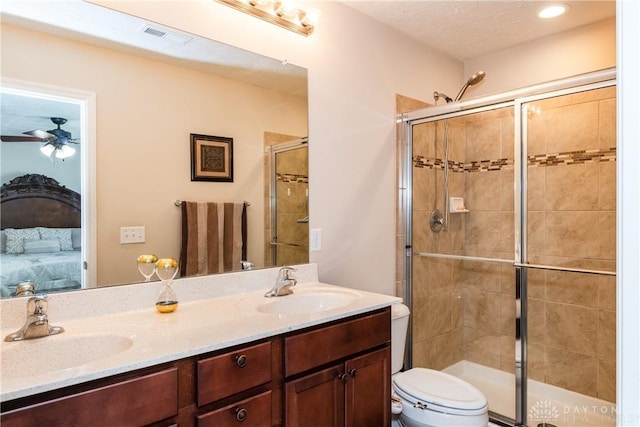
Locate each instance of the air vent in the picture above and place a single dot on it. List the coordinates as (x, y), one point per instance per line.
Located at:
(154, 31)
(165, 35)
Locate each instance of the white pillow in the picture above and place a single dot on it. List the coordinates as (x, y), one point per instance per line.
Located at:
(17, 236)
(62, 234)
(41, 246)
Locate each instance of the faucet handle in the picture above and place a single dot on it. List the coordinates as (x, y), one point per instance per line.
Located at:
(285, 272)
(37, 305)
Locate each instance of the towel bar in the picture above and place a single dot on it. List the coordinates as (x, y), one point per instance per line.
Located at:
(179, 203)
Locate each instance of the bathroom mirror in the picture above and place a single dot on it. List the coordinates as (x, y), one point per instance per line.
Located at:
(153, 86)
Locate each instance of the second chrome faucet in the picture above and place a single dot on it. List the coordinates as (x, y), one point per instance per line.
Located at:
(284, 283)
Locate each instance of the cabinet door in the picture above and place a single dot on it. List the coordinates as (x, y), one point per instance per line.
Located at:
(316, 400)
(368, 390)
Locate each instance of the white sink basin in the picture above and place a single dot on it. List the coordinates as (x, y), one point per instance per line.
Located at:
(58, 352)
(310, 300)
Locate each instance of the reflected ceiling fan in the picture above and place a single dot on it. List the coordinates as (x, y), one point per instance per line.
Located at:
(55, 140)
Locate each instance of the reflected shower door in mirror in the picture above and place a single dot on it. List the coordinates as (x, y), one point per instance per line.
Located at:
(151, 94)
(288, 198)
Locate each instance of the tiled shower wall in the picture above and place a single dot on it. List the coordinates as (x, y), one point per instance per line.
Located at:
(292, 182)
(465, 310)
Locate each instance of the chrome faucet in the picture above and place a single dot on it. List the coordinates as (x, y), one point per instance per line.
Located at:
(37, 324)
(284, 283)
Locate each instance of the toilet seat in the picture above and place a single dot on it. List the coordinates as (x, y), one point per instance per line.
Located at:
(439, 391)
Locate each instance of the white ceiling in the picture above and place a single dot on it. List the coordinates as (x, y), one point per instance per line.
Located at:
(467, 29)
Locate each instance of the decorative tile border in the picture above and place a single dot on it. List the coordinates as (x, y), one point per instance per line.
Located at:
(538, 160)
(293, 178)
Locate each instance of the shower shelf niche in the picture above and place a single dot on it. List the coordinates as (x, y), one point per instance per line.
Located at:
(456, 205)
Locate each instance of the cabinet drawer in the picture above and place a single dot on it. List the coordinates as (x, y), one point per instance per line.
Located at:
(317, 347)
(254, 412)
(134, 402)
(232, 372)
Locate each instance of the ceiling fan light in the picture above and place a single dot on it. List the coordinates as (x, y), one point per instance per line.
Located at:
(47, 149)
(65, 151)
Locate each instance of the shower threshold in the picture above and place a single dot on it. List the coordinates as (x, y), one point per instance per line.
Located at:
(546, 403)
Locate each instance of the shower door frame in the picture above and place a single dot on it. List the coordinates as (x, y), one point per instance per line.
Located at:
(518, 99)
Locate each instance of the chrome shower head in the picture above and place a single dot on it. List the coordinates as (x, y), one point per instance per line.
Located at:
(437, 95)
(473, 80)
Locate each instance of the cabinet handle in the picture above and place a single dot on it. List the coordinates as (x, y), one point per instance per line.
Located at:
(241, 360)
(353, 372)
(241, 414)
(343, 377)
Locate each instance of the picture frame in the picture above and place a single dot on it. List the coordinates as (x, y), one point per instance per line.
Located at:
(211, 158)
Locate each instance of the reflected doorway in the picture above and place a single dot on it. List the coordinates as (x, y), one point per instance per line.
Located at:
(30, 105)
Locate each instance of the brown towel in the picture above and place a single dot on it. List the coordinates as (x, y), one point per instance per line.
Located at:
(214, 237)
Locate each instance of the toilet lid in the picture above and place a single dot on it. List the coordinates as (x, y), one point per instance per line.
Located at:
(439, 388)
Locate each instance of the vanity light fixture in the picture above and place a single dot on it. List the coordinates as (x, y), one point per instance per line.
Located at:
(280, 12)
(553, 11)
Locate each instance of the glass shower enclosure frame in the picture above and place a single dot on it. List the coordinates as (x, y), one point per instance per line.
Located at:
(522, 104)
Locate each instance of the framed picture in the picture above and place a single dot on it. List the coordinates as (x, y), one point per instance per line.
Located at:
(211, 158)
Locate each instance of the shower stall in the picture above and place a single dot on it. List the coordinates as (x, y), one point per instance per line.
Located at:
(513, 289)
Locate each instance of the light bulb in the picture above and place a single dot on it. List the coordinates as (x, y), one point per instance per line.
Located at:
(64, 152)
(287, 8)
(47, 149)
(310, 18)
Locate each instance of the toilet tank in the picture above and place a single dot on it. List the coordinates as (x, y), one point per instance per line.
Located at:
(399, 324)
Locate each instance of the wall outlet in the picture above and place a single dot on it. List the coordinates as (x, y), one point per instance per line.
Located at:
(315, 239)
(132, 235)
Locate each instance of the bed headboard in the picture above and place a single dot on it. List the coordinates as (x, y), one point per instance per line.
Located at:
(47, 203)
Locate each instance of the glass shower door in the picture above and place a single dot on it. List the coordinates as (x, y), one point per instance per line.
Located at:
(570, 258)
(463, 279)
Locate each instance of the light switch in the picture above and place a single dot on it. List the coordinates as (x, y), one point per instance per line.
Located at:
(132, 235)
(315, 239)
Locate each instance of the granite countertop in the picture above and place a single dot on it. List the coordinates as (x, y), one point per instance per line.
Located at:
(101, 346)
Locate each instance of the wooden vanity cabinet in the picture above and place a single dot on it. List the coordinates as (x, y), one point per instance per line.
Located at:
(340, 375)
(337, 374)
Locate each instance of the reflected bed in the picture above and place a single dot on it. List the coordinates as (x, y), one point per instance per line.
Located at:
(41, 237)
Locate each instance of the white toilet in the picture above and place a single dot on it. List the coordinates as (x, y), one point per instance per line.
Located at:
(431, 398)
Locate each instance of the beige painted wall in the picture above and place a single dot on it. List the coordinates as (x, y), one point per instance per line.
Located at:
(584, 49)
(143, 145)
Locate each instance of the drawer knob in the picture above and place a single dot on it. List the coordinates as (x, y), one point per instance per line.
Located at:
(353, 372)
(241, 414)
(343, 377)
(241, 360)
